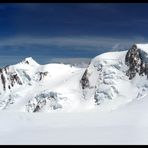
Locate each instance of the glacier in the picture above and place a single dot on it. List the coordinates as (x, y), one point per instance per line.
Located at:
(104, 103)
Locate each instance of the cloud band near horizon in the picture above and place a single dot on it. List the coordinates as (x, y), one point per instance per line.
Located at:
(75, 43)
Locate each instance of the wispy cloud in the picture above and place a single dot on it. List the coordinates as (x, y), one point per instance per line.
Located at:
(83, 42)
(82, 46)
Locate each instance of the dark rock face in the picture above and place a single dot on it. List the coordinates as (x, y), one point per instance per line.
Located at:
(42, 74)
(14, 78)
(9, 79)
(26, 62)
(135, 60)
(84, 81)
(3, 81)
(37, 108)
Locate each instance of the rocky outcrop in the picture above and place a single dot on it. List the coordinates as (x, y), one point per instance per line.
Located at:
(135, 60)
(9, 78)
(45, 98)
(15, 79)
(3, 82)
(84, 81)
(42, 74)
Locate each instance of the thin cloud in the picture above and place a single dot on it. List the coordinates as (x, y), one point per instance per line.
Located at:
(79, 46)
(76, 42)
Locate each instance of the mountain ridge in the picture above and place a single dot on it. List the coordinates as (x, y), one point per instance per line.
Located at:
(111, 80)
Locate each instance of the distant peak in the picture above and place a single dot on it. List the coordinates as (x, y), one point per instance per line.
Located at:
(29, 61)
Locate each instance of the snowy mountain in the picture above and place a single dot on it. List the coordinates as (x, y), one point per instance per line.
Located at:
(29, 86)
(116, 78)
(111, 80)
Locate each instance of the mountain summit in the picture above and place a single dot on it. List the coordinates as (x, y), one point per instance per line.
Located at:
(29, 61)
(111, 80)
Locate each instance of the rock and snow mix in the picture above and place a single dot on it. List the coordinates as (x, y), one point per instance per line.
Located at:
(46, 98)
(110, 80)
(113, 80)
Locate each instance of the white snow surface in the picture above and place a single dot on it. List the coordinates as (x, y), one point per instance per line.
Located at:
(143, 47)
(127, 125)
(68, 114)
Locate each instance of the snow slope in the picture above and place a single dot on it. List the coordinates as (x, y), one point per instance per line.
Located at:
(111, 80)
(126, 125)
(49, 83)
(105, 103)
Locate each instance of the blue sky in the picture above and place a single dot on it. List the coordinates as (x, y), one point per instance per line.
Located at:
(67, 30)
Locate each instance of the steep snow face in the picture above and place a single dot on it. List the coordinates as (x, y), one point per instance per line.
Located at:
(116, 78)
(106, 79)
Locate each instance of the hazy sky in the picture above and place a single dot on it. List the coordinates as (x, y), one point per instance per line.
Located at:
(70, 29)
